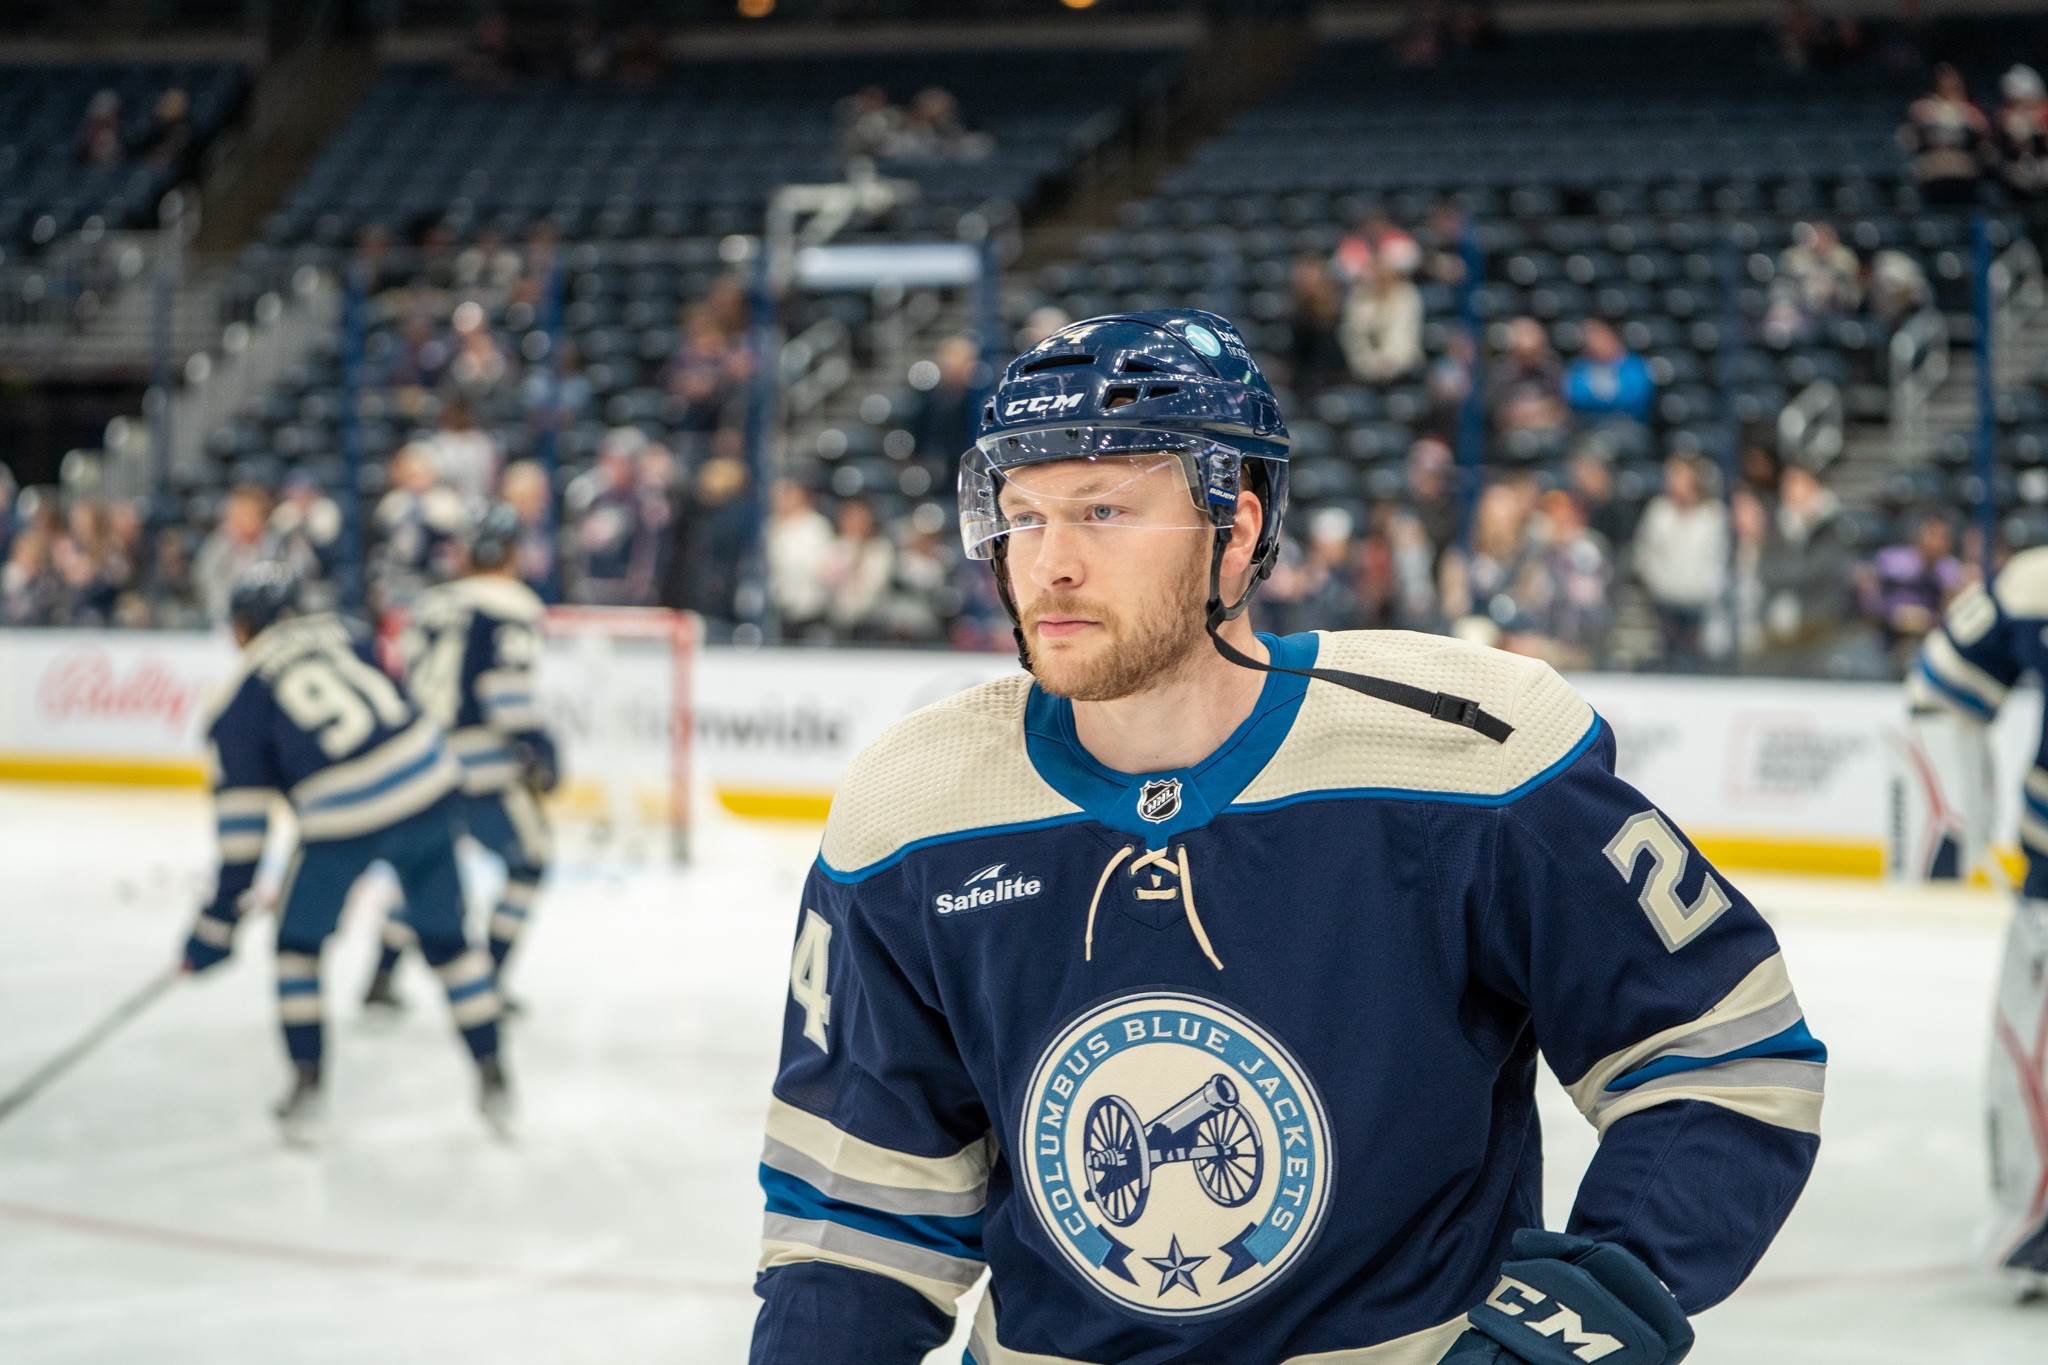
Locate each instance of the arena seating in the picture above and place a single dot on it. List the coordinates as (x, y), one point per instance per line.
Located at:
(1605, 173)
(697, 152)
(47, 190)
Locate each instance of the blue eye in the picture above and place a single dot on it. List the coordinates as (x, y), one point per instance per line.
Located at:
(1101, 513)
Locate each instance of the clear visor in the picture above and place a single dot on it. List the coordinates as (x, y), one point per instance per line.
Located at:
(1174, 486)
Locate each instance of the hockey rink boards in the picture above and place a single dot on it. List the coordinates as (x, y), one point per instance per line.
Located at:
(148, 1211)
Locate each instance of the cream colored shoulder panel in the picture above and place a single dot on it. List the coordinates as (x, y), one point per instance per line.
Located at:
(503, 597)
(1344, 740)
(2022, 586)
(953, 766)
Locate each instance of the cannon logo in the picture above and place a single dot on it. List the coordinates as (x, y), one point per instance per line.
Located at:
(1176, 1153)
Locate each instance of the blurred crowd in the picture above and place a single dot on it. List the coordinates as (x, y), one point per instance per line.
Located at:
(163, 136)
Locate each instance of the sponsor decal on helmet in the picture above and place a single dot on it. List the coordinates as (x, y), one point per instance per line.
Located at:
(1203, 340)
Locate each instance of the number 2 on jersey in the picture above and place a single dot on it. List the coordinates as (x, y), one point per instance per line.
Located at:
(807, 976)
(1675, 922)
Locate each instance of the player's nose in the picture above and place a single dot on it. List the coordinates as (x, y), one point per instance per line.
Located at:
(1055, 556)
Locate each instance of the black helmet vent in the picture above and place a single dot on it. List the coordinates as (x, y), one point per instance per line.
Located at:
(1054, 362)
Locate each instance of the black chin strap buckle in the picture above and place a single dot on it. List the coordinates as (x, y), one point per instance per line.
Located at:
(1456, 710)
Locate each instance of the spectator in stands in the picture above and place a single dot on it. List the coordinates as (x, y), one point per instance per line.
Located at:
(1382, 326)
(662, 493)
(1805, 570)
(713, 536)
(1526, 388)
(1375, 235)
(171, 600)
(419, 360)
(921, 598)
(943, 421)
(1948, 139)
(1433, 493)
(488, 57)
(99, 137)
(83, 556)
(858, 565)
(2022, 133)
(416, 526)
(1321, 587)
(799, 540)
(31, 593)
(1503, 578)
(526, 488)
(1579, 572)
(1448, 383)
(307, 527)
(1591, 479)
(1895, 286)
(1444, 259)
(9, 510)
(479, 365)
(1819, 279)
(488, 265)
(169, 134)
(240, 540)
(1906, 587)
(1042, 323)
(608, 525)
(868, 123)
(1681, 556)
(1397, 580)
(590, 50)
(1316, 358)
(466, 458)
(932, 131)
(1610, 390)
(706, 373)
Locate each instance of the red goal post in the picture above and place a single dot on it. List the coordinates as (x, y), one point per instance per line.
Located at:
(617, 683)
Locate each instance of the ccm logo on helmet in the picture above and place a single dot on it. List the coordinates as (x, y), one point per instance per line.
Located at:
(1054, 403)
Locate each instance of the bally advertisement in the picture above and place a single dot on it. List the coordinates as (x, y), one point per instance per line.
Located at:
(1762, 772)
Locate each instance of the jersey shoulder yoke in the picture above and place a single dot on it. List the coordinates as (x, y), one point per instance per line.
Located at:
(1345, 741)
(946, 769)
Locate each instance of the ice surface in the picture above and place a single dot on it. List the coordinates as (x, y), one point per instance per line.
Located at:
(148, 1213)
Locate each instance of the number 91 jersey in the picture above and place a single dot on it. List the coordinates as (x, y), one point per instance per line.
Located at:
(310, 715)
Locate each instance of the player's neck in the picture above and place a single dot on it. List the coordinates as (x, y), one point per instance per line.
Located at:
(1180, 722)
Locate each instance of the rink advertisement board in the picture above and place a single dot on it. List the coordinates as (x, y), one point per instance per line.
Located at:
(1761, 772)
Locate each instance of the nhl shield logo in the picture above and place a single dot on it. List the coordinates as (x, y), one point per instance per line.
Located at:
(1159, 801)
(1176, 1153)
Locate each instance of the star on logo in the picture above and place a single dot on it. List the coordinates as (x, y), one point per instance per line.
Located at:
(1175, 1267)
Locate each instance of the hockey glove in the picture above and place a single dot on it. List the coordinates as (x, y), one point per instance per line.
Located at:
(1566, 1300)
(536, 754)
(213, 938)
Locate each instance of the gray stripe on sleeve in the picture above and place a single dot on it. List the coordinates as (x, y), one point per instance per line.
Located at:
(886, 1198)
(866, 1246)
(1744, 1073)
(1732, 1036)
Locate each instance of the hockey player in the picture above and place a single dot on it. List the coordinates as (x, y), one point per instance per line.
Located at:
(469, 657)
(1966, 669)
(1194, 986)
(308, 716)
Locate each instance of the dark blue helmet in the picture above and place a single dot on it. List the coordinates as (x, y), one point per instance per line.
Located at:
(1172, 380)
(263, 593)
(493, 539)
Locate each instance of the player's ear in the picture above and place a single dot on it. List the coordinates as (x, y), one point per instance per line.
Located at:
(1244, 534)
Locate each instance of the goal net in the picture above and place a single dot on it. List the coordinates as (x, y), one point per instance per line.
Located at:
(615, 683)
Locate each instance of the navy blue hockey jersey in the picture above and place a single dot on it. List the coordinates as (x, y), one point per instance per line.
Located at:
(1969, 664)
(308, 715)
(1237, 1063)
(469, 656)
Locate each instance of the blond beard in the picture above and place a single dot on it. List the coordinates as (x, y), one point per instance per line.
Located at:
(1146, 651)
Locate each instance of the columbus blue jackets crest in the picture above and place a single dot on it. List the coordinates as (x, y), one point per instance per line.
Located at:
(1180, 1157)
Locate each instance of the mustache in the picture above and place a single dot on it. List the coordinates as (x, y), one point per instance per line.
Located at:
(1067, 604)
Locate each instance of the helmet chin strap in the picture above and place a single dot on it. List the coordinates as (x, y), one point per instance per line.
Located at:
(1436, 705)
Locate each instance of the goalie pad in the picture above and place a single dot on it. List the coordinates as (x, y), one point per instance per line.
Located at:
(1942, 798)
(2017, 1097)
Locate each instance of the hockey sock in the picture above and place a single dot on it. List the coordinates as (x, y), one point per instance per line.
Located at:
(471, 980)
(395, 937)
(387, 959)
(508, 921)
(298, 1004)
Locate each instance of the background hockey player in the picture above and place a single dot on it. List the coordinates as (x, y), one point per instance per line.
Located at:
(469, 655)
(309, 716)
(1966, 669)
(1200, 1002)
